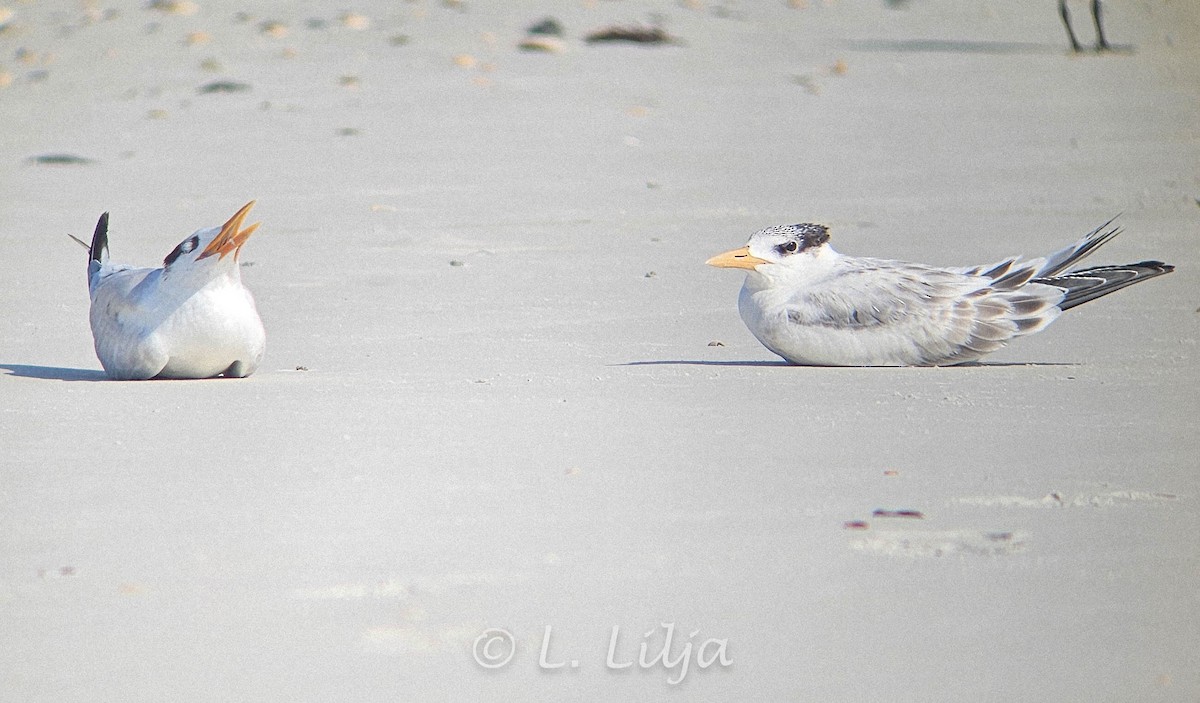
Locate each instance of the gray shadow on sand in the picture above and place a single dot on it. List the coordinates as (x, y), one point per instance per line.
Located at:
(968, 365)
(53, 373)
(961, 46)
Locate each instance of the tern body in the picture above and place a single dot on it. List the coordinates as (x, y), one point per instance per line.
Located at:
(812, 306)
(192, 318)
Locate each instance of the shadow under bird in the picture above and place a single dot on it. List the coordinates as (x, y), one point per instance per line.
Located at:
(813, 306)
(192, 318)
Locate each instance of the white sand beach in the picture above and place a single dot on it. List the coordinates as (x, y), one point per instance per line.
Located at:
(502, 391)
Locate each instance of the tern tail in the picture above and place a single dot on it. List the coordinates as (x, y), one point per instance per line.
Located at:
(99, 249)
(98, 252)
(1088, 284)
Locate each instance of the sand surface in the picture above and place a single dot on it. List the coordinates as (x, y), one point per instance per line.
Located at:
(501, 389)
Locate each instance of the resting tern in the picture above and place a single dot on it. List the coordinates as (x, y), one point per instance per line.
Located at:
(813, 306)
(192, 318)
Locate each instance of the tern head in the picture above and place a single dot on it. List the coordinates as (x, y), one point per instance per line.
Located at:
(791, 246)
(204, 252)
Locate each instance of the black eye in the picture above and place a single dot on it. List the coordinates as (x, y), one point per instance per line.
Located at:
(789, 247)
(184, 247)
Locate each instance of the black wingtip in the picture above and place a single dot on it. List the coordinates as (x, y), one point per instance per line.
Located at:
(99, 240)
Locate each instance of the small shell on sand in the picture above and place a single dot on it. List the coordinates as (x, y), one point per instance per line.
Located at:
(550, 45)
(352, 20)
(465, 61)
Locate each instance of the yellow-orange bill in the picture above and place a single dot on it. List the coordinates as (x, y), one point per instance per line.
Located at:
(232, 236)
(736, 259)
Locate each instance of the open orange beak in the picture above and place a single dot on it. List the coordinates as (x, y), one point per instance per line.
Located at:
(736, 259)
(232, 237)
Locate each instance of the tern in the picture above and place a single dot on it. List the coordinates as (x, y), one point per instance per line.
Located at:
(192, 318)
(815, 307)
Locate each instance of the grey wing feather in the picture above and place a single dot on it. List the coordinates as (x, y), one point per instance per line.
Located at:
(935, 316)
(1088, 284)
(1060, 261)
(1046, 266)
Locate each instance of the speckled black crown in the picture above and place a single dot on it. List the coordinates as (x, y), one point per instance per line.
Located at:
(812, 234)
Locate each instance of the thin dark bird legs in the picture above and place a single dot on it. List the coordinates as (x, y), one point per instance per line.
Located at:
(1097, 17)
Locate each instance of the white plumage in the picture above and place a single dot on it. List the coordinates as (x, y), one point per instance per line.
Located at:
(812, 306)
(192, 318)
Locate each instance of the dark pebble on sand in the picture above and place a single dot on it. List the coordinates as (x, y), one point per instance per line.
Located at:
(59, 160)
(915, 514)
(223, 87)
(548, 27)
(635, 34)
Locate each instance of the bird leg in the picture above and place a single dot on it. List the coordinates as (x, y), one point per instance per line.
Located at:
(1101, 42)
(1066, 18)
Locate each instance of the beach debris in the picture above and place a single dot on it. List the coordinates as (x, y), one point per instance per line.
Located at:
(174, 7)
(59, 160)
(349, 132)
(271, 28)
(651, 274)
(548, 27)
(926, 544)
(914, 514)
(349, 81)
(6, 79)
(855, 525)
(541, 43)
(891, 472)
(6, 17)
(809, 82)
(302, 368)
(194, 38)
(631, 33)
(353, 20)
(716, 343)
(457, 264)
(223, 87)
(465, 61)
(60, 572)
